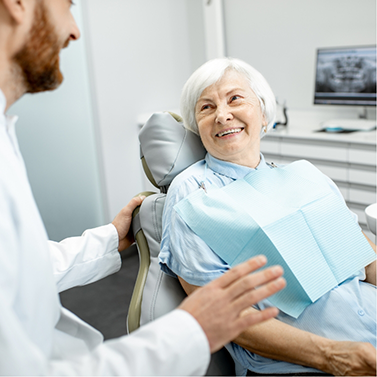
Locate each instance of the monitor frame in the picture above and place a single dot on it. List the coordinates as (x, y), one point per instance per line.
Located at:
(342, 100)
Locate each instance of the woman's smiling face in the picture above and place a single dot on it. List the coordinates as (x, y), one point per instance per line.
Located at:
(229, 118)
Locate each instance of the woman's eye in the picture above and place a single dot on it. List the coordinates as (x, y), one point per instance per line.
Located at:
(233, 98)
(205, 107)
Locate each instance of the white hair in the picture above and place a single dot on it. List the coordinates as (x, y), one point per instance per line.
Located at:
(211, 72)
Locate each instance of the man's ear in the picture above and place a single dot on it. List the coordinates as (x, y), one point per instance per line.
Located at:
(16, 9)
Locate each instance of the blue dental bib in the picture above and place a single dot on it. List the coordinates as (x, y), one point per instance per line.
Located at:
(292, 216)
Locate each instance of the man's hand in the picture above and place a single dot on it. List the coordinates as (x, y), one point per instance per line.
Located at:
(350, 359)
(123, 220)
(218, 305)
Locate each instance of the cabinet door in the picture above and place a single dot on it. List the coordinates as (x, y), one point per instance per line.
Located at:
(362, 175)
(362, 195)
(270, 146)
(364, 155)
(314, 149)
(335, 172)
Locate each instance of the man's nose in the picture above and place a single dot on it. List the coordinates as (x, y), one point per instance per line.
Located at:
(223, 114)
(75, 31)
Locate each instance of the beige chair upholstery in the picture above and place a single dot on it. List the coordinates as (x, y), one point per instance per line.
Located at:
(167, 148)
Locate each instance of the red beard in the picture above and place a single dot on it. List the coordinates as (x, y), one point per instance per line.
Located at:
(39, 58)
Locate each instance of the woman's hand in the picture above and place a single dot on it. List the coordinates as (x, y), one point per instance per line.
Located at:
(122, 223)
(350, 359)
(276, 340)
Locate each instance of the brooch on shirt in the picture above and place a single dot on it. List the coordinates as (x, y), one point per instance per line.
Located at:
(271, 164)
(202, 186)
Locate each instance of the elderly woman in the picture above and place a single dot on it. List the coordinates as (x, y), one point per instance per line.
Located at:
(231, 106)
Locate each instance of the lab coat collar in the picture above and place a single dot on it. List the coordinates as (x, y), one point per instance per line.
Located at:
(231, 170)
(3, 102)
(7, 121)
(8, 126)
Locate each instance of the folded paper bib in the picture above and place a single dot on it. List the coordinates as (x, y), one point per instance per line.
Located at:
(292, 216)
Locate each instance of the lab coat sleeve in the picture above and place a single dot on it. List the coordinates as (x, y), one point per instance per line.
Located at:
(173, 345)
(86, 259)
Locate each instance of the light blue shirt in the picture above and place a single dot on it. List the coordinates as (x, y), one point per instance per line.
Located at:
(347, 312)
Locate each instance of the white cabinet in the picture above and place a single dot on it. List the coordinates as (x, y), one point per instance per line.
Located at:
(314, 150)
(349, 160)
(358, 155)
(362, 196)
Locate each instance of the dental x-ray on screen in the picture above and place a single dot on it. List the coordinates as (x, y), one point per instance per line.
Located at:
(346, 76)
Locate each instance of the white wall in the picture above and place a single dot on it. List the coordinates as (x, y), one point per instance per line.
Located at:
(134, 58)
(280, 37)
(57, 138)
(80, 142)
(142, 52)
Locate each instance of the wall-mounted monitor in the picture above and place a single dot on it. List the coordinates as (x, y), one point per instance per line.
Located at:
(346, 76)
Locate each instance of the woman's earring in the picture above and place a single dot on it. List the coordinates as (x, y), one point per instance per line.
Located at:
(265, 129)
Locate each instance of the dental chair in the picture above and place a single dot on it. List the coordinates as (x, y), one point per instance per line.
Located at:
(166, 148)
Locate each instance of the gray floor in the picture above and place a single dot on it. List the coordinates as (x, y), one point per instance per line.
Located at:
(104, 304)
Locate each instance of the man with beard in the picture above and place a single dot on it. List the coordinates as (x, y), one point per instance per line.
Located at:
(37, 335)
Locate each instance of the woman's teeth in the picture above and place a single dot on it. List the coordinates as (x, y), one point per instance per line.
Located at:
(228, 132)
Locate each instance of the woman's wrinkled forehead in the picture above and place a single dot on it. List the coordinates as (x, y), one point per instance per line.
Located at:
(215, 80)
(231, 81)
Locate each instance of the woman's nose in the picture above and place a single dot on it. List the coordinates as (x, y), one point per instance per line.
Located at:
(223, 114)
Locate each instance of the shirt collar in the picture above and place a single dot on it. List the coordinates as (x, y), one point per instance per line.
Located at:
(231, 170)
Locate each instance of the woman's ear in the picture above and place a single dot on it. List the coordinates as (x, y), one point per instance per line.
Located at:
(264, 121)
(16, 9)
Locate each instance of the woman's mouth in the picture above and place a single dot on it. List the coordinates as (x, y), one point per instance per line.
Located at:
(229, 132)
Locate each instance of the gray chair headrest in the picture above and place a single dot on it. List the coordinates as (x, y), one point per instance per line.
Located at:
(167, 148)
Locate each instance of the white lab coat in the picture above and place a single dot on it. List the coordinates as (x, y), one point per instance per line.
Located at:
(38, 335)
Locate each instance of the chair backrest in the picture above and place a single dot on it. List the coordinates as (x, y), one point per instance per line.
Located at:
(166, 149)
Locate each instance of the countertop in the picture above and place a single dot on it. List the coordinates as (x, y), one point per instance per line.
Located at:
(294, 132)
